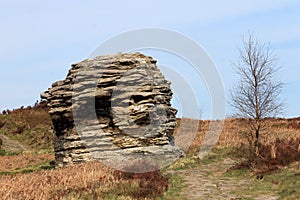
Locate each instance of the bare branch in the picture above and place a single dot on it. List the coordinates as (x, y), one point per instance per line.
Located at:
(256, 94)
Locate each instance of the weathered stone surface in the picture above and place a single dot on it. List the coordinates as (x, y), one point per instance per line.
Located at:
(112, 106)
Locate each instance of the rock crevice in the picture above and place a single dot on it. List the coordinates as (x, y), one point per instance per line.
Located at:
(112, 107)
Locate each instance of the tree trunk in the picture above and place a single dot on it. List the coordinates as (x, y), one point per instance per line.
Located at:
(256, 142)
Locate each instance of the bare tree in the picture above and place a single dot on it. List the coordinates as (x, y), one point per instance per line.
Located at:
(256, 95)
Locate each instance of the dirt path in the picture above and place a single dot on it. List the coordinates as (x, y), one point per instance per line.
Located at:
(208, 182)
(11, 145)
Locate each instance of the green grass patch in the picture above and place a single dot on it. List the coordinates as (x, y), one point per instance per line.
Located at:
(287, 181)
(174, 189)
(284, 183)
(41, 166)
(240, 173)
(8, 153)
(192, 161)
(187, 162)
(217, 155)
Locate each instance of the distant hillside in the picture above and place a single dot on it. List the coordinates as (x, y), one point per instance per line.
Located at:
(30, 127)
(234, 130)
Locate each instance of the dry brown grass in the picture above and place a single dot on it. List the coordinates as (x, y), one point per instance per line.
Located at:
(54, 184)
(31, 117)
(234, 129)
(150, 184)
(279, 142)
(94, 181)
(29, 126)
(90, 180)
(9, 163)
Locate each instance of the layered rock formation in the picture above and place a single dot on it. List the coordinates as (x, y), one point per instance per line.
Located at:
(113, 108)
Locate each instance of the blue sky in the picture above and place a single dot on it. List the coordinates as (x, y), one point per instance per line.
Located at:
(40, 39)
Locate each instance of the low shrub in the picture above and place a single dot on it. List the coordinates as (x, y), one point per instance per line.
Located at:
(150, 183)
(272, 156)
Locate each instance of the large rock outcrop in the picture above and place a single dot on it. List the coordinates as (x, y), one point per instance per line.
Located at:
(113, 108)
